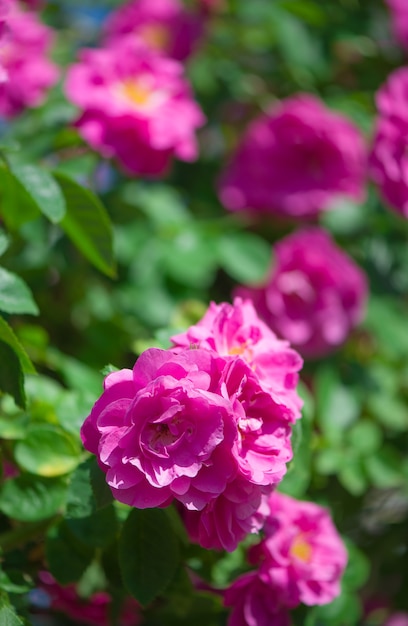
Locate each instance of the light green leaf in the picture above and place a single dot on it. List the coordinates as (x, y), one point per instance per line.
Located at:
(31, 499)
(15, 296)
(244, 256)
(87, 224)
(47, 451)
(41, 188)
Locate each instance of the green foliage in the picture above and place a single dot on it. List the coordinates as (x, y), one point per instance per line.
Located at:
(147, 534)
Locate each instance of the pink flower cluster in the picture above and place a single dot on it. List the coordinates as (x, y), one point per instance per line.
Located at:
(92, 611)
(164, 25)
(399, 19)
(26, 73)
(200, 427)
(389, 159)
(315, 294)
(295, 161)
(301, 560)
(136, 106)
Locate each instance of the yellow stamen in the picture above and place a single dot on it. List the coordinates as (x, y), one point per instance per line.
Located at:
(301, 549)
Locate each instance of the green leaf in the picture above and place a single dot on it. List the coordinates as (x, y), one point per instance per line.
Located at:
(148, 553)
(31, 499)
(11, 376)
(13, 582)
(97, 530)
(357, 570)
(47, 451)
(365, 437)
(189, 258)
(41, 188)
(352, 476)
(102, 493)
(15, 296)
(160, 203)
(244, 256)
(67, 557)
(87, 224)
(338, 406)
(8, 616)
(7, 336)
(4, 241)
(80, 497)
(385, 468)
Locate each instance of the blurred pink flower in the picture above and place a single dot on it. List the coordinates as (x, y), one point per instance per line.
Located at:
(388, 159)
(302, 557)
(236, 330)
(26, 72)
(315, 295)
(164, 25)
(295, 160)
(399, 20)
(137, 107)
(397, 619)
(389, 162)
(92, 611)
(255, 603)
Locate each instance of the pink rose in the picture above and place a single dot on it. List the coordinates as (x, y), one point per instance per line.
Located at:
(137, 107)
(389, 162)
(25, 71)
(229, 518)
(315, 295)
(255, 603)
(164, 25)
(93, 611)
(162, 431)
(295, 160)
(302, 557)
(388, 159)
(236, 330)
(399, 19)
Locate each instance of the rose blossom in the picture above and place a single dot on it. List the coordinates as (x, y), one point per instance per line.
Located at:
(295, 160)
(193, 426)
(315, 294)
(94, 610)
(26, 72)
(399, 19)
(388, 159)
(164, 25)
(255, 603)
(302, 555)
(236, 330)
(136, 107)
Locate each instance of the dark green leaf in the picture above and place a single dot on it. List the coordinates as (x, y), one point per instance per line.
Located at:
(8, 616)
(7, 336)
(11, 376)
(97, 530)
(102, 493)
(67, 557)
(148, 553)
(87, 224)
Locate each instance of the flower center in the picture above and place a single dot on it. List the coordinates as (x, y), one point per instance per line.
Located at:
(301, 549)
(136, 92)
(161, 437)
(155, 35)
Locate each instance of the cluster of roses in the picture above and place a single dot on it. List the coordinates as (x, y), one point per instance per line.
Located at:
(207, 424)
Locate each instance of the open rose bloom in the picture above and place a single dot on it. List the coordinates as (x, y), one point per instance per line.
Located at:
(197, 427)
(295, 161)
(301, 559)
(315, 295)
(388, 159)
(26, 73)
(163, 25)
(136, 106)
